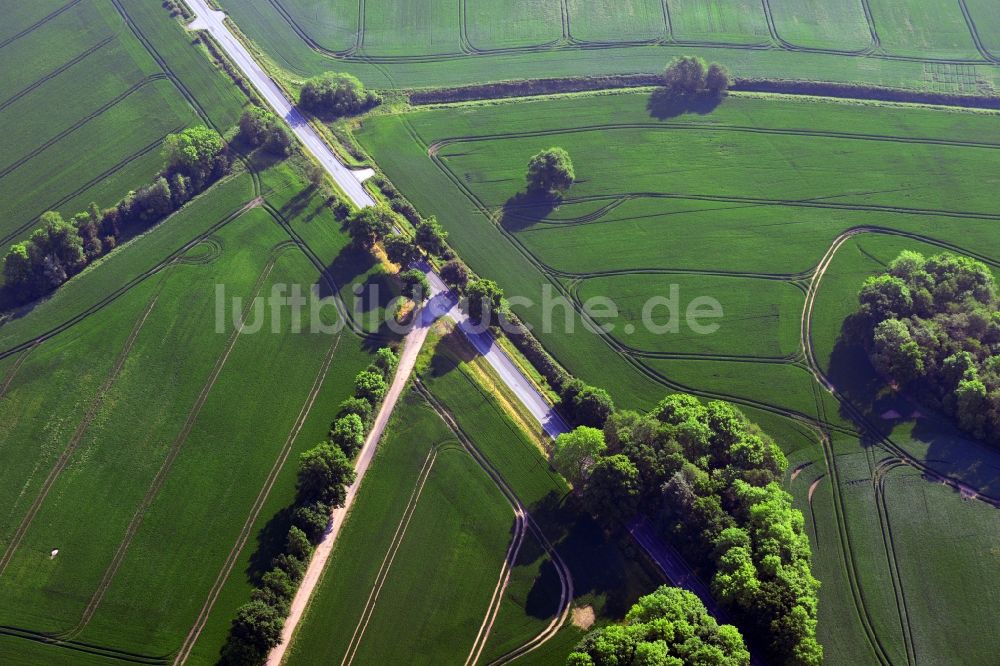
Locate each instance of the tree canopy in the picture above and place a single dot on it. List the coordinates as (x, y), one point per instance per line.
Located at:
(575, 453)
(369, 225)
(690, 76)
(931, 327)
(485, 301)
(550, 172)
(711, 480)
(669, 627)
(336, 94)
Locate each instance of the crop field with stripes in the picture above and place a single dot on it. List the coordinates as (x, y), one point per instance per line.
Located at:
(90, 89)
(135, 431)
(778, 208)
(415, 43)
(478, 541)
(144, 452)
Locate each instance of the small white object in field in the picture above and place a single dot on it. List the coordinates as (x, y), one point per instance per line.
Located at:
(52, 555)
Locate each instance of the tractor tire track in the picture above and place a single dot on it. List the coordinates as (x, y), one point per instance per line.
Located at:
(40, 23)
(142, 152)
(562, 570)
(12, 373)
(56, 72)
(81, 429)
(390, 555)
(17, 164)
(192, 637)
(115, 295)
(171, 457)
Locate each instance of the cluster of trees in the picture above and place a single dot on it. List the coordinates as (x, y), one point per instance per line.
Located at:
(669, 627)
(550, 173)
(931, 326)
(335, 94)
(259, 127)
(710, 481)
(377, 224)
(325, 472)
(58, 249)
(691, 76)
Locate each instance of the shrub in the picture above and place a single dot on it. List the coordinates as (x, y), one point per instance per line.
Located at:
(415, 285)
(336, 94)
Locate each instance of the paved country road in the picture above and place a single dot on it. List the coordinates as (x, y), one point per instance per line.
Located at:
(442, 303)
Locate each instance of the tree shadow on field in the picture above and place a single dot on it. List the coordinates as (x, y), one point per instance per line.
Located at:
(880, 412)
(270, 543)
(525, 209)
(663, 103)
(602, 564)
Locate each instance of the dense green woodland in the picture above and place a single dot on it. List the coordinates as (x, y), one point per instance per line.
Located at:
(669, 627)
(932, 328)
(711, 481)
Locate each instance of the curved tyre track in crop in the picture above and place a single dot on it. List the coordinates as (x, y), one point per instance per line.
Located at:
(390, 555)
(567, 43)
(562, 571)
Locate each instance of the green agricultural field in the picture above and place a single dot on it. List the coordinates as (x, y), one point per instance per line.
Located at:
(437, 511)
(739, 204)
(198, 418)
(916, 27)
(89, 92)
(916, 44)
(839, 25)
(729, 21)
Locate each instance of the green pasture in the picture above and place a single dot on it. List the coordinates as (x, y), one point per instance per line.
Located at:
(917, 27)
(191, 416)
(434, 43)
(759, 318)
(122, 370)
(521, 23)
(728, 21)
(987, 22)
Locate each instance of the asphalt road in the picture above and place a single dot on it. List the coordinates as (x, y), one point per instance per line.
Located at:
(441, 303)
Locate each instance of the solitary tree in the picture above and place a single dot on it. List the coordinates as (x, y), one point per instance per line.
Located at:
(550, 172)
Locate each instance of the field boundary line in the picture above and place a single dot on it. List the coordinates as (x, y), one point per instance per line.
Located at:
(173, 452)
(116, 294)
(562, 570)
(390, 556)
(115, 168)
(96, 403)
(279, 463)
